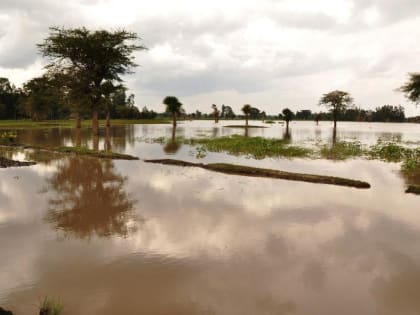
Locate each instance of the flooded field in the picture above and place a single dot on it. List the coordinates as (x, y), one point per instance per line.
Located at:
(128, 237)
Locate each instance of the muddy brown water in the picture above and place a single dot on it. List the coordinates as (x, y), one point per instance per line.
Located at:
(127, 237)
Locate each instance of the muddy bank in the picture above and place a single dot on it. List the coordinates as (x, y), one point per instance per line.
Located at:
(4, 163)
(266, 173)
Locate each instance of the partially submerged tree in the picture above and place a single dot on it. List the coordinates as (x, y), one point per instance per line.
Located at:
(174, 107)
(287, 116)
(97, 56)
(411, 88)
(246, 109)
(337, 101)
(216, 113)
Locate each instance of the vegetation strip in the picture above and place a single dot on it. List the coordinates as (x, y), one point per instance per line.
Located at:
(77, 151)
(267, 173)
(243, 126)
(94, 153)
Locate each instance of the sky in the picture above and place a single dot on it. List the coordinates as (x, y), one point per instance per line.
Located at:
(271, 54)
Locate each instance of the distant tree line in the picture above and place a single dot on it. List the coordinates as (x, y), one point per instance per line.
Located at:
(44, 98)
(386, 113)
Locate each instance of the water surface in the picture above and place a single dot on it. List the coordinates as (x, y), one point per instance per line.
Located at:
(127, 237)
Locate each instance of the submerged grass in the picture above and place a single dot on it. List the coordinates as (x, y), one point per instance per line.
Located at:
(391, 152)
(51, 307)
(342, 150)
(256, 147)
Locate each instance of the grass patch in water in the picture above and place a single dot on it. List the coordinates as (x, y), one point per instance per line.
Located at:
(342, 150)
(256, 147)
(391, 152)
(51, 307)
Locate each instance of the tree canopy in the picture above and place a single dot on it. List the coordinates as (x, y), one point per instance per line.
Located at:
(411, 88)
(337, 101)
(98, 57)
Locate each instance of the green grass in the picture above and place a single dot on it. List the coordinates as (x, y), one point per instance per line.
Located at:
(342, 150)
(30, 124)
(390, 152)
(256, 147)
(51, 307)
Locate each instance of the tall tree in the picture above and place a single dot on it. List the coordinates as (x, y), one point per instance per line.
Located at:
(411, 88)
(288, 116)
(246, 109)
(337, 101)
(174, 107)
(98, 56)
(216, 113)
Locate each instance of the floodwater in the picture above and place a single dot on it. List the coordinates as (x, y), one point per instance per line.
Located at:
(127, 237)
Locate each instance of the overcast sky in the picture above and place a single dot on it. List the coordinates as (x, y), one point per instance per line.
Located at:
(268, 53)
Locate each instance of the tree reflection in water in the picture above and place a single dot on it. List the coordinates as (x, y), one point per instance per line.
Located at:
(90, 199)
(172, 146)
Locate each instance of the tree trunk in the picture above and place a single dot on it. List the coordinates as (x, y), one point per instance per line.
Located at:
(107, 144)
(95, 123)
(287, 127)
(174, 120)
(78, 121)
(95, 142)
(108, 121)
(78, 137)
(246, 121)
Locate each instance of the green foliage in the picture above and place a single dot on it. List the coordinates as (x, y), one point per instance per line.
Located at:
(51, 307)
(287, 114)
(91, 62)
(256, 147)
(389, 151)
(246, 109)
(342, 150)
(336, 101)
(411, 88)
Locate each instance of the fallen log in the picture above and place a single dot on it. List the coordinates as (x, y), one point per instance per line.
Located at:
(266, 173)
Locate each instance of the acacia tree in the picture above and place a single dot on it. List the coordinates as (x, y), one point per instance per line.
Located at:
(411, 88)
(97, 56)
(246, 109)
(337, 101)
(174, 107)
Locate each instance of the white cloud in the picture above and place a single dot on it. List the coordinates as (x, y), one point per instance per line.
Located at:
(270, 53)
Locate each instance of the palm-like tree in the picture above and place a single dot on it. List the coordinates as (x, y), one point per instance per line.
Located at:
(246, 109)
(173, 106)
(287, 116)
